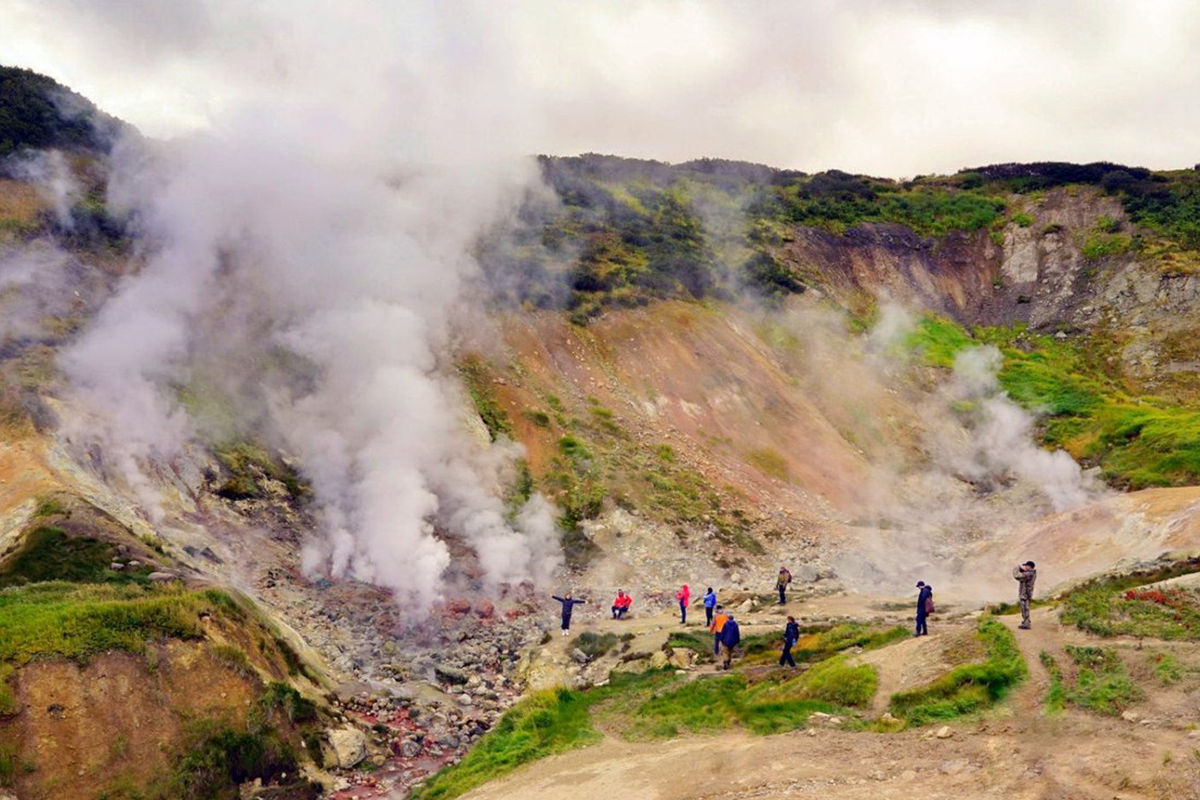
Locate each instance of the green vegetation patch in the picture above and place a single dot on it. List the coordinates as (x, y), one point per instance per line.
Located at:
(78, 622)
(216, 758)
(49, 554)
(542, 724)
(1137, 441)
(249, 465)
(1102, 684)
(594, 645)
(1056, 692)
(969, 688)
(1168, 614)
(477, 378)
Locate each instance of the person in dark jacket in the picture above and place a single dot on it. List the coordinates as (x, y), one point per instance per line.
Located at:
(791, 635)
(710, 603)
(568, 605)
(731, 635)
(924, 601)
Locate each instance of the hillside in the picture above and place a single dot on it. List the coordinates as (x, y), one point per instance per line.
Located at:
(657, 373)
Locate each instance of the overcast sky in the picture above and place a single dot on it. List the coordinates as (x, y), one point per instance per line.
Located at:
(895, 87)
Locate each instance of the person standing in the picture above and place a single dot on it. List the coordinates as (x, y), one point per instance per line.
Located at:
(781, 584)
(791, 635)
(1025, 575)
(710, 603)
(683, 596)
(730, 636)
(568, 606)
(924, 607)
(715, 628)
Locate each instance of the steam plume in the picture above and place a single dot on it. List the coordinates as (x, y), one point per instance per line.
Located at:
(313, 265)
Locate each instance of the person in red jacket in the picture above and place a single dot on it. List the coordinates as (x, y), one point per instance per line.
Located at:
(683, 596)
(621, 604)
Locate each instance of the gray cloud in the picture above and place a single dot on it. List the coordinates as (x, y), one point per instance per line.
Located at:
(893, 88)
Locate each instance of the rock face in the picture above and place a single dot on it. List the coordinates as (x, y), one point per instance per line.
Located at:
(347, 747)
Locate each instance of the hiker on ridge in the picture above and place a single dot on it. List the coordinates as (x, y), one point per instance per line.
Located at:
(568, 605)
(710, 603)
(781, 584)
(621, 604)
(683, 596)
(730, 636)
(1025, 576)
(791, 635)
(924, 607)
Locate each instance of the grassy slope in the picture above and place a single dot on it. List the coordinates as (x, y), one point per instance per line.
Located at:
(1137, 441)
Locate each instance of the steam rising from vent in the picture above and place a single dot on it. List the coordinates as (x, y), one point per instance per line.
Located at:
(309, 269)
(1002, 440)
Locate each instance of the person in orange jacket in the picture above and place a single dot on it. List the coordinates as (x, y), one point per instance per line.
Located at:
(718, 624)
(683, 596)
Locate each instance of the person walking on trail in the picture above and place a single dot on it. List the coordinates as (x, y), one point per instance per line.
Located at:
(683, 596)
(730, 636)
(621, 605)
(1025, 576)
(781, 584)
(716, 627)
(568, 605)
(710, 603)
(924, 607)
(791, 635)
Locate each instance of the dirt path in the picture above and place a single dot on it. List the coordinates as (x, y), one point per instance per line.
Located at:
(1014, 752)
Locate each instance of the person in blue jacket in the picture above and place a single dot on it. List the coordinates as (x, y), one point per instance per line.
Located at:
(710, 602)
(731, 635)
(924, 602)
(568, 605)
(791, 635)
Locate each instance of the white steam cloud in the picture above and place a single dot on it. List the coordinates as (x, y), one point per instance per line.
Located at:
(1002, 441)
(312, 250)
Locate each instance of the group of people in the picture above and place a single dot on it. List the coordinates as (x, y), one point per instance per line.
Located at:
(727, 635)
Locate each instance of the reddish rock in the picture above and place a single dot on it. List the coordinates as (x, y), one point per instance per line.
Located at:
(484, 609)
(458, 606)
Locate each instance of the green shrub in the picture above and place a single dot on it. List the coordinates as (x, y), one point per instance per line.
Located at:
(594, 645)
(1099, 245)
(297, 708)
(215, 759)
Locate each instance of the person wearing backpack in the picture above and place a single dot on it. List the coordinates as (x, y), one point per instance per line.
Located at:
(730, 637)
(785, 577)
(924, 607)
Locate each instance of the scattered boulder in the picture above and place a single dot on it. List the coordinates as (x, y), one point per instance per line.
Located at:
(579, 656)
(659, 659)
(161, 577)
(347, 747)
(944, 732)
(485, 610)
(452, 675)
